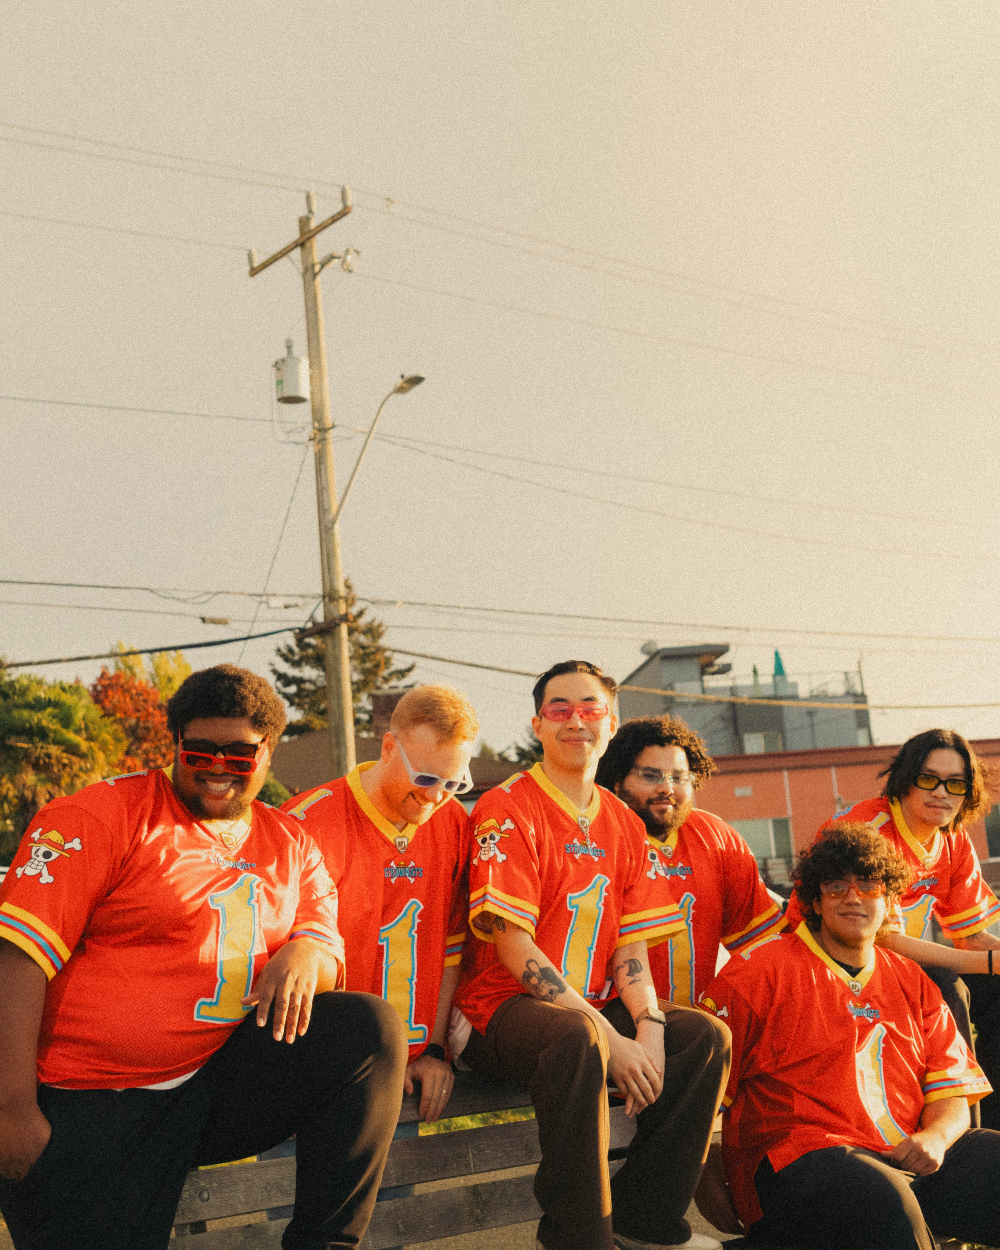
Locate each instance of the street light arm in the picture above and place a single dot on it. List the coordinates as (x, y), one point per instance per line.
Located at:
(357, 463)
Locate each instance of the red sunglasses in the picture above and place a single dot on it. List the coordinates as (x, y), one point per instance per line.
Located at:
(237, 757)
(565, 711)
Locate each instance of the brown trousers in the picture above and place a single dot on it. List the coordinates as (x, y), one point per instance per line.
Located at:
(562, 1056)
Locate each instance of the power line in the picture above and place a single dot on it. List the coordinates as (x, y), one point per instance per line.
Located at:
(138, 234)
(154, 412)
(113, 655)
(301, 182)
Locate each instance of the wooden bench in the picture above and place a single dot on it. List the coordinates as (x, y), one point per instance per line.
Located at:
(246, 1188)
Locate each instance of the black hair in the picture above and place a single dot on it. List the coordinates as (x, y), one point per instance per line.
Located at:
(652, 731)
(228, 691)
(571, 666)
(911, 756)
(848, 849)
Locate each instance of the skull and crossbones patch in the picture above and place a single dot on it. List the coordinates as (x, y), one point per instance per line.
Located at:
(49, 846)
(656, 869)
(488, 836)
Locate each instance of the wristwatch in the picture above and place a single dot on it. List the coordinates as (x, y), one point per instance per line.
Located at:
(648, 1013)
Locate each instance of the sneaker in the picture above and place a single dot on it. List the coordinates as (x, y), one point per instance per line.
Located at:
(695, 1242)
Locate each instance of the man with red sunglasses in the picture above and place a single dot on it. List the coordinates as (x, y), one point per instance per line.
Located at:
(557, 992)
(846, 1117)
(162, 945)
(396, 841)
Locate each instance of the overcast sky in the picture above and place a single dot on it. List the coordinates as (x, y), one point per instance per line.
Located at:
(746, 253)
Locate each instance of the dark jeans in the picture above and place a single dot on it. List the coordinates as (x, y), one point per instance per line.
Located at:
(562, 1056)
(975, 1000)
(845, 1198)
(112, 1173)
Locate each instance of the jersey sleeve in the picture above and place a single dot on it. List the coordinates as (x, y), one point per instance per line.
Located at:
(723, 1000)
(67, 862)
(951, 1070)
(458, 913)
(748, 911)
(316, 914)
(504, 872)
(649, 912)
(971, 905)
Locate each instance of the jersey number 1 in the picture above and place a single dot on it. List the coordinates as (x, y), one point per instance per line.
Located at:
(239, 925)
(398, 940)
(586, 908)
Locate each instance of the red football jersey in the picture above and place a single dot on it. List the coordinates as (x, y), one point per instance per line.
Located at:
(576, 881)
(150, 929)
(406, 892)
(821, 1058)
(947, 880)
(712, 876)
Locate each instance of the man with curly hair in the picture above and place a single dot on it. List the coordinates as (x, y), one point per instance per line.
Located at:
(163, 943)
(934, 787)
(847, 1110)
(655, 764)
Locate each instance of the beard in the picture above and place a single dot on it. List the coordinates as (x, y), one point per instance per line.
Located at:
(660, 827)
(237, 806)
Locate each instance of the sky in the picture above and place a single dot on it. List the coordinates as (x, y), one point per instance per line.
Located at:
(704, 294)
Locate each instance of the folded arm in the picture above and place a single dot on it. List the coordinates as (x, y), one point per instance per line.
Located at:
(633, 1065)
(967, 955)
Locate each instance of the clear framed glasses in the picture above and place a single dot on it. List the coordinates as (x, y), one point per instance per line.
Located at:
(430, 781)
(656, 777)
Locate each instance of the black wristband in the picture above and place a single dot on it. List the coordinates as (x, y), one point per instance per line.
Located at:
(989, 960)
(435, 1051)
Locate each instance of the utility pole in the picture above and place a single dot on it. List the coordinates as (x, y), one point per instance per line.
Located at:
(339, 698)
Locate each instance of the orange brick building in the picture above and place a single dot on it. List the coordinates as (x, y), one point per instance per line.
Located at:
(777, 801)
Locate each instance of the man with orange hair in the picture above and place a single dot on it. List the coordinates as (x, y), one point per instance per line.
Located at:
(397, 843)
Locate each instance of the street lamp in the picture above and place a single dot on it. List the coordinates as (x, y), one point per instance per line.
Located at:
(402, 387)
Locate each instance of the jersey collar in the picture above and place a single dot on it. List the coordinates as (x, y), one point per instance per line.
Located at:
(668, 845)
(925, 855)
(385, 827)
(579, 817)
(854, 984)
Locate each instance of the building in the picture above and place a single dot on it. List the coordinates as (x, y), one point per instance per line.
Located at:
(778, 800)
(743, 728)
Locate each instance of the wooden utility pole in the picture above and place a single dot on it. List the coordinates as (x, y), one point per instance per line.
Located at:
(339, 698)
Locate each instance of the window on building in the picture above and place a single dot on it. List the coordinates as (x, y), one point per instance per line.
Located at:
(766, 838)
(993, 832)
(758, 744)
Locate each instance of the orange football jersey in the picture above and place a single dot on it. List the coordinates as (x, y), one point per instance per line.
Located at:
(405, 892)
(713, 877)
(821, 1058)
(578, 882)
(150, 930)
(947, 880)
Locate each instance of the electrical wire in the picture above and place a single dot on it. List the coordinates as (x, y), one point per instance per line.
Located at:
(300, 182)
(277, 547)
(153, 412)
(114, 655)
(137, 234)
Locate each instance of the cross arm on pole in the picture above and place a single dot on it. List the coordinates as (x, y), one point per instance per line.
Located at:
(345, 195)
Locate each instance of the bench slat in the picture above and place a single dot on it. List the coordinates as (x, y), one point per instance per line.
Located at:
(472, 1093)
(248, 1187)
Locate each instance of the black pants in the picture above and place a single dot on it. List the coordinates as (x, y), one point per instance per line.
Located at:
(562, 1056)
(112, 1173)
(845, 1198)
(975, 1000)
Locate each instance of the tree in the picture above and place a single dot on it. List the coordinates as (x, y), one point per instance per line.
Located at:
(304, 688)
(524, 753)
(137, 708)
(166, 671)
(53, 740)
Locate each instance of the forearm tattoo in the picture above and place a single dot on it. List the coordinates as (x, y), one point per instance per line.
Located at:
(628, 973)
(542, 982)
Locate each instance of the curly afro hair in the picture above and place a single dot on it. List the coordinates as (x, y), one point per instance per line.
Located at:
(652, 731)
(226, 690)
(848, 849)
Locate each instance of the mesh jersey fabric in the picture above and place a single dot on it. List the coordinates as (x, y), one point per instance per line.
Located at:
(821, 1058)
(947, 880)
(150, 929)
(405, 895)
(713, 877)
(577, 882)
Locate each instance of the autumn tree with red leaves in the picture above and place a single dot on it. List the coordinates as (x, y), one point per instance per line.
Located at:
(137, 708)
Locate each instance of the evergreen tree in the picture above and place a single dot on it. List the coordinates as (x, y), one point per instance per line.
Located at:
(304, 687)
(524, 753)
(53, 740)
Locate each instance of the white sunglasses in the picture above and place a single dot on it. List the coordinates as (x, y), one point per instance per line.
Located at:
(429, 781)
